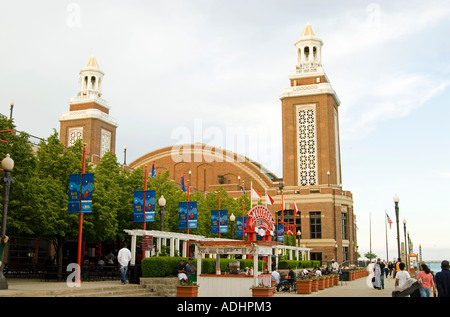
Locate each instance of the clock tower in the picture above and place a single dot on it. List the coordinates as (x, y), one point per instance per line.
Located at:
(88, 118)
(310, 120)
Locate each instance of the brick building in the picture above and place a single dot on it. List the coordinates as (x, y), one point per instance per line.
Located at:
(88, 117)
(311, 162)
(312, 179)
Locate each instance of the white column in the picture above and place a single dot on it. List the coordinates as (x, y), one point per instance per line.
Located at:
(177, 245)
(172, 251)
(133, 249)
(185, 244)
(255, 270)
(158, 245)
(276, 259)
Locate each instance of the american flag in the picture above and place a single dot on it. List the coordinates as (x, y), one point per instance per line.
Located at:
(389, 221)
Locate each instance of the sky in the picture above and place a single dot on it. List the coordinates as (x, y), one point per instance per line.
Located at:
(210, 70)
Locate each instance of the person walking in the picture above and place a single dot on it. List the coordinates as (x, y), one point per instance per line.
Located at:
(442, 280)
(377, 272)
(402, 275)
(390, 268)
(426, 280)
(382, 269)
(124, 258)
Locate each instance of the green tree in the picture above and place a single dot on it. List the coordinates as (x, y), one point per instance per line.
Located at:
(20, 210)
(370, 256)
(55, 164)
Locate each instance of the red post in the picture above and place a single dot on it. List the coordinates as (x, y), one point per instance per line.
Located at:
(219, 215)
(144, 226)
(243, 222)
(80, 226)
(187, 217)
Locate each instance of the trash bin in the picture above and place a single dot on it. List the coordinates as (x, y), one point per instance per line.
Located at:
(345, 275)
(135, 274)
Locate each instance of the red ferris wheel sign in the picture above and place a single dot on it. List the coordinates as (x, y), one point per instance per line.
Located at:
(260, 220)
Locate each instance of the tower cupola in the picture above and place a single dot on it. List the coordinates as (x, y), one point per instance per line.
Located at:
(91, 78)
(309, 49)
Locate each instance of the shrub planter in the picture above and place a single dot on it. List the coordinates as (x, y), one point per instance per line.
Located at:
(314, 285)
(187, 291)
(321, 283)
(327, 281)
(262, 291)
(336, 279)
(331, 281)
(304, 286)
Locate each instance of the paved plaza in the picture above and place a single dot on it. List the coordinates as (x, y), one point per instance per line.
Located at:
(33, 287)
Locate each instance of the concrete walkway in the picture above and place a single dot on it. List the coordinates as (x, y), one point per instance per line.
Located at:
(27, 287)
(361, 287)
(357, 288)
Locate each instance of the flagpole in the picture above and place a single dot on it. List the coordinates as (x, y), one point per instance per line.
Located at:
(243, 211)
(385, 228)
(370, 232)
(187, 218)
(265, 194)
(144, 226)
(251, 194)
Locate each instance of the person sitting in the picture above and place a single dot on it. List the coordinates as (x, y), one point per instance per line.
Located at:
(317, 271)
(181, 270)
(276, 277)
(191, 270)
(290, 279)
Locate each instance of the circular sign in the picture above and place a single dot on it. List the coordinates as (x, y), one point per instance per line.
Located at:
(260, 221)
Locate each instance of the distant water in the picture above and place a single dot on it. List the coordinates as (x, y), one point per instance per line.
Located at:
(434, 266)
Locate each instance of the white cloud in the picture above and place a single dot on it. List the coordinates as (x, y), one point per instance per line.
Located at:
(368, 63)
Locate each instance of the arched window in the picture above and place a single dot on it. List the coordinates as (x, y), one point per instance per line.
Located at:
(93, 82)
(306, 52)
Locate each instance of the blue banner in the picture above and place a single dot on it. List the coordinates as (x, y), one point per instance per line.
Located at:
(80, 192)
(139, 208)
(215, 221)
(74, 193)
(183, 215)
(86, 192)
(280, 233)
(239, 226)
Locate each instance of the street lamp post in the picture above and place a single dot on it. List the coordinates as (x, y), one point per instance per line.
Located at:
(162, 203)
(232, 220)
(406, 244)
(396, 201)
(299, 233)
(7, 165)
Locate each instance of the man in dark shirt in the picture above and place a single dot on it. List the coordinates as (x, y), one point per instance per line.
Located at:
(181, 270)
(442, 280)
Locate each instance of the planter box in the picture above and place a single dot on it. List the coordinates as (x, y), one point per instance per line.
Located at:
(321, 283)
(314, 285)
(304, 286)
(331, 281)
(187, 291)
(262, 291)
(327, 281)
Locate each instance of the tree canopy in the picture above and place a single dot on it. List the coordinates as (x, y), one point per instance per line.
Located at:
(39, 197)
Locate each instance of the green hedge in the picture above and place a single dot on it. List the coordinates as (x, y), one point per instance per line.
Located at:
(284, 264)
(162, 266)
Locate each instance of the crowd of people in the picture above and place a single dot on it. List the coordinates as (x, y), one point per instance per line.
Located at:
(427, 282)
